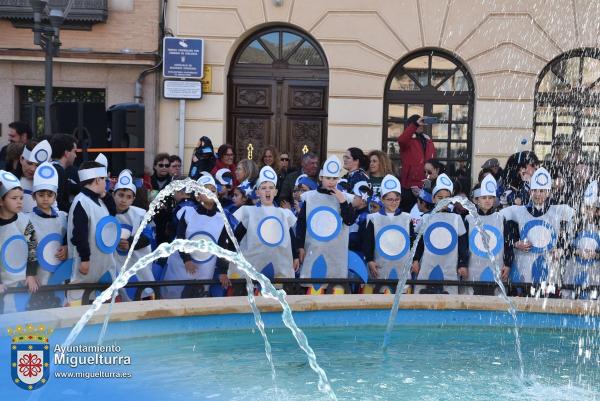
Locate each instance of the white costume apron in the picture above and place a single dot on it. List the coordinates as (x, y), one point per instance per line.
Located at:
(480, 265)
(103, 238)
(13, 256)
(392, 243)
(584, 272)
(28, 202)
(50, 232)
(326, 244)
(440, 255)
(130, 222)
(199, 226)
(267, 243)
(542, 232)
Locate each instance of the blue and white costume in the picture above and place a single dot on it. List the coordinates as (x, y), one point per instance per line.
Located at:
(51, 229)
(444, 244)
(583, 271)
(323, 229)
(194, 223)
(268, 244)
(541, 226)
(130, 221)
(388, 236)
(13, 246)
(93, 233)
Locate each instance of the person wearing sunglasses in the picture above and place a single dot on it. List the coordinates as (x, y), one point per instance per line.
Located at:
(161, 176)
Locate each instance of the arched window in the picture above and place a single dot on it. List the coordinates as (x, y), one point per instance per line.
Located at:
(277, 94)
(567, 103)
(432, 83)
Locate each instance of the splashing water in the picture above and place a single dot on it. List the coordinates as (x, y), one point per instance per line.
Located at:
(192, 186)
(497, 275)
(201, 245)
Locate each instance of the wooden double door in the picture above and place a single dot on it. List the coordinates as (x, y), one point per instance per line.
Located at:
(285, 112)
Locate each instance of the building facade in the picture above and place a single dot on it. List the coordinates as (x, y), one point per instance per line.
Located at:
(106, 45)
(502, 75)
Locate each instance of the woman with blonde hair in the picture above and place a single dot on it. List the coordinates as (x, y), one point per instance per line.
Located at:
(246, 172)
(270, 157)
(380, 165)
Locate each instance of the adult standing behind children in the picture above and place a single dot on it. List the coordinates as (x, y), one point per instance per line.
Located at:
(226, 159)
(18, 132)
(415, 148)
(64, 153)
(310, 167)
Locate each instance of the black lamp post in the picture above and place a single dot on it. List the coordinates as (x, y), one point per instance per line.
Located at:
(47, 36)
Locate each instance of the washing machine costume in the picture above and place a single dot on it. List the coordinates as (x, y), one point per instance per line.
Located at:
(443, 250)
(582, 266)
(481, 267)
(201, 221)
(41, 153)
(388, 234)
(50, 225)
(542, 235)
(265, 233)
(323, 227)
(17, 245)
(130, 219)
(93, 231)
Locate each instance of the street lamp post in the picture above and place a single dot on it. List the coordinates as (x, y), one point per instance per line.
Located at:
(47, 37)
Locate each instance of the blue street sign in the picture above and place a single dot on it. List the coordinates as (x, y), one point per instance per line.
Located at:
(183, 58)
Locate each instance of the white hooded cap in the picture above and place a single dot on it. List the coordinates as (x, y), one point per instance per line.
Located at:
(125, 181)
(443, 182)
(207, 179)
(9, 181)
(390, 184)
(332, 167)
(102, 160)
(488, 187)
(267, 174)
(41, 153)
(541, 179)
(45, 178)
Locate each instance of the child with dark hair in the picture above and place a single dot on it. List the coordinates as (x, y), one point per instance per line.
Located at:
(93, 232)
(18, 264)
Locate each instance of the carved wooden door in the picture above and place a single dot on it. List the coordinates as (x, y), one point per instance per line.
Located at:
(277, 91)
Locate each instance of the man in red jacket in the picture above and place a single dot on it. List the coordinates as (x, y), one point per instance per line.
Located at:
(415, 148)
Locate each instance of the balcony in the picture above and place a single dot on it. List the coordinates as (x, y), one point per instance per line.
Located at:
(84, 13)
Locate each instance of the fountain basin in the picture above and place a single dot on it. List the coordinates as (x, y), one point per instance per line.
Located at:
(458, 346)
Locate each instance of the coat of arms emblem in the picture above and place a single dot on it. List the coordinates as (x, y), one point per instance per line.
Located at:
(30, 356)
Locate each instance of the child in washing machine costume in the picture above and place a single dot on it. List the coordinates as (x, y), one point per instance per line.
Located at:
(388, 235)
(18, 243)
(323, 227)
(480, 265)
(30, 161)
(93, 232)
(265, 233)
(200, 221)
(543, 233)
(582, 266)
(130, 217)
(443, 250)
(50, 224)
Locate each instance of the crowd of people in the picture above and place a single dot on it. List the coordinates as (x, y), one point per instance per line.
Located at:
(333, 219)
